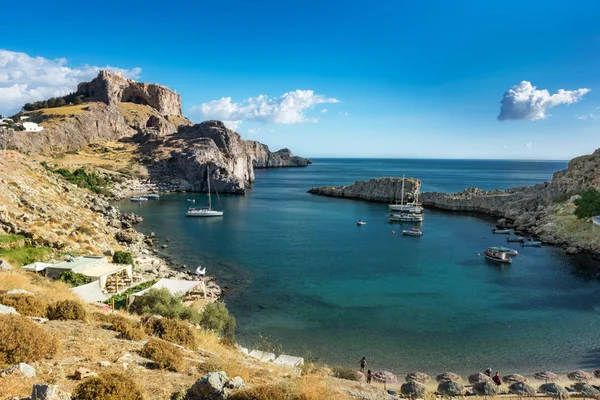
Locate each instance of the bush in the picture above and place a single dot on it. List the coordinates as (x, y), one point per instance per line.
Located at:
(162, 302)
(172, 330)
(108, 386)
(128, 329)
(86, 180)
(26, 304)
(216, 317)
(588, 205)
(121, 298)
(346, 373)
(74, 279)
(164, 354)
(263, 392)
(122, 257)
(24, 341)
(66, 310)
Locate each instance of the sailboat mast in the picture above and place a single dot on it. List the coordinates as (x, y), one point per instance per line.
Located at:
(208, 180)
(402, 200)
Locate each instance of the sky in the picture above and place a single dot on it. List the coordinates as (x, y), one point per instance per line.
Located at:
(400, 79)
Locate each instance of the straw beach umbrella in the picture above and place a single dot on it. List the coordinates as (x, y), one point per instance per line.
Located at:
(413, 390)
(451, 389)
(479, 377)
(417, 377)
(448, 377)
(487, 389)
(586, 389)
(579, 376)
(597, 373)
(522, 389)
(513, 378)
(385, 376)
(554, 390)
(546, 376)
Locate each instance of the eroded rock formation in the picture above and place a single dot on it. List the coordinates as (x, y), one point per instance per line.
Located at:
(385, 190)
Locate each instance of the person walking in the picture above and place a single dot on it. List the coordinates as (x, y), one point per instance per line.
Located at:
(369, 376)
(363, 364)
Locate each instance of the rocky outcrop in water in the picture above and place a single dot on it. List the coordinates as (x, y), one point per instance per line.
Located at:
(384, 190)
(262, 157)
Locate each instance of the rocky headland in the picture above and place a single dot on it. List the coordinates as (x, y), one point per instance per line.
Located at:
(171, 150)
(544, 210)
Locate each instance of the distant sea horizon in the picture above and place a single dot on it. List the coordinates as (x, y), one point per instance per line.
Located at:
(300, 272)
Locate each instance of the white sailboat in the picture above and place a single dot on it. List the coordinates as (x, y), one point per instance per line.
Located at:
(405, 212)
(205, 212)
(414, 207)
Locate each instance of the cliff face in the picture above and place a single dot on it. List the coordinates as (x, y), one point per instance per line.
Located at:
(384, 190)
(111, 88)
(262, 157)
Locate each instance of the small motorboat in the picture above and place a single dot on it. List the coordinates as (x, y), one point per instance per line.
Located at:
(494, 255)
(531, 243)
(152, 196)
(200, 271)
(501, 231)
(515, 239)
(192, 200)
(361, 222)
(138, 199)
(507, 250)
(412, 232)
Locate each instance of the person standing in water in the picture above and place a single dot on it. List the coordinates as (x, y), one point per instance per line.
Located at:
(363, 364)
(369, 376)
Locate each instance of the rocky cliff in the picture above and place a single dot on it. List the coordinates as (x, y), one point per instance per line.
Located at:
(385, 190)
(262, 157)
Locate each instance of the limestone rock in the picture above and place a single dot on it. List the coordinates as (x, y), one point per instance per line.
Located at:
(384, 190)
(208, 387)
(83, 373)
(104, 364)
(21, 369)
(48, 392)
(7, 310)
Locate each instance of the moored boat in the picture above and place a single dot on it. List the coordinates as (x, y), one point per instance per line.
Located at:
(501, 231)
(515, 239)
(405, 217)
(152, 196)
(531, 243)
(361, 222)
(494, 255)
(412, 232)
(138, 199)
(507, 250)
(208, 211)
(406, 212)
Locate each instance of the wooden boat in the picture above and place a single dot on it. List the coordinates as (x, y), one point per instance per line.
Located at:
(412, 232)
(501, 231)
(515, 239)
(497, 256)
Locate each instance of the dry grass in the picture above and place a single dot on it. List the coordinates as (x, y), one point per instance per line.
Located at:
(307, 388)
(230, 365)
(108, 386)
(66, 310)
(24, 341)
(129, 328)
(42, 287)
(172, 330)
(25, 304)
(164, 354)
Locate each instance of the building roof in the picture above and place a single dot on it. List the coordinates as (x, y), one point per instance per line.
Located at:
(36, 266)
(104, 269)
(77, 262)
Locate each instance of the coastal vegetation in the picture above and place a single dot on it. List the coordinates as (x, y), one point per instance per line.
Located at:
(11, 238)
(87, 180)
(164, 354)
(24, 341)
(66, 310)
(74, 279)
(71, 98)
(24, 255)
(26, 304)
(588, 204)
(120, 300)
(108, 386)
(172, 330)
(216, 317)
(122, 257)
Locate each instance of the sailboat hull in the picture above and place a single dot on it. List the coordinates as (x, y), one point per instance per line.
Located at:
(204, 213)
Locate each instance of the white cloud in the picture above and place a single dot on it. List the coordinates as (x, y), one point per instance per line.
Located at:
(593, 116)
(323, 111)
(528, 145)
(289, 108)
(233, 125)
(24, 78)
(524, 101)
(253, 131)
(344, 114)
(582, 117)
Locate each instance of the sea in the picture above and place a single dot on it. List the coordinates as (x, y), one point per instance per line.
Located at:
(303, 279)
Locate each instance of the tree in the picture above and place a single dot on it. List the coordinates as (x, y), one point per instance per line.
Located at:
(122, 257)
(61, 102)
(588, 204)
(78, 100)
(216, 317)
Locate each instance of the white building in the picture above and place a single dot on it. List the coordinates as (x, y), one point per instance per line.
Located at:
(32, 127)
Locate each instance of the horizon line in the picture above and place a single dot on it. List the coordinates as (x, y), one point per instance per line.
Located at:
(436, 158)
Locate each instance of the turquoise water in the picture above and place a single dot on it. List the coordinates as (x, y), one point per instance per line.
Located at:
(302, 273)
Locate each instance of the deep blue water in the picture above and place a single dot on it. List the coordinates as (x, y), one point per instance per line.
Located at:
(303, 274)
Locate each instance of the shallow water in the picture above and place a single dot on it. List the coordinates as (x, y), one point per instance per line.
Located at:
(303, 274)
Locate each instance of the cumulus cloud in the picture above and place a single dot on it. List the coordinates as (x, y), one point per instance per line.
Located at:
(233, 125)
(24, 79)
(323, 111)
(290, 108)
(524, 101)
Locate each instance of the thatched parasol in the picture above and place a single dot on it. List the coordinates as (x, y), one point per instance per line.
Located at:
(554, 390)
(546, 376)
(579, 376)
(485, 388)
(451, 389)
(448, 377)
(385, 376)
(479, 377)
(512, 378)
(522, 389)
(586, 389)
(597, 373)
(417, 377)
(413, 389)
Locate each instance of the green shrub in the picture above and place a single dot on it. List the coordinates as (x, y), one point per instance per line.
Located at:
(24, 341)
(216, 317)
(345, 373)
(74, 279)
(87, 180)
(25, 255)
(171, 330)
(164, 354)
(128, 328)
(108, 386)
(66, 310)
(25, 304)
(120, 299)
(162, 302)
(122, 257)
(588, 205)
(11, 238)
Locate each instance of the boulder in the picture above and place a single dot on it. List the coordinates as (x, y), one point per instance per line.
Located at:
(83, 373)
(5, 266)
(20, 369)
(104, 364)
(597, 373)
(48, 392)
(522, 389)
(413, 389)
(208, 387)
(485, 389)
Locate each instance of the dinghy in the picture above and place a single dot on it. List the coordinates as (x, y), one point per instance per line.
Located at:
(361, 222)
(501, 231)
(494, 255)
(412, 232)
(515, 239)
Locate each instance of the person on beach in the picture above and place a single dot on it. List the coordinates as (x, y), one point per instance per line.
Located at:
(363, 364)
(369, 376)
(488, 372)
(497, 380)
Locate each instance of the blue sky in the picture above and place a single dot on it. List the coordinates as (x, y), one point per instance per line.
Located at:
(410, 79)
